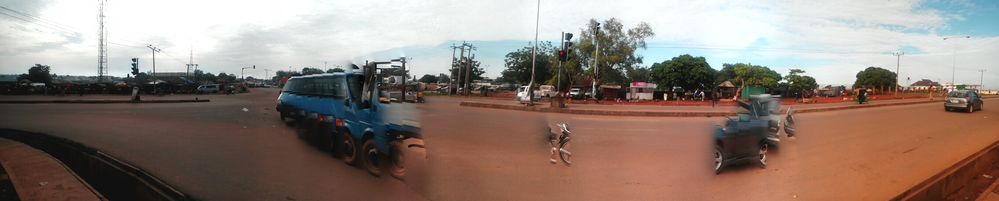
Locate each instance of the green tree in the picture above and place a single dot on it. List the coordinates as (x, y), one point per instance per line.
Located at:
(310, 71)
(743, 75)
(443, 78)
(38, 73)
(281, 74)
(427, 78)
(798, 84)
(518, 64)
(616, 57)
(684, 71)
(875, 77)
(334, 70)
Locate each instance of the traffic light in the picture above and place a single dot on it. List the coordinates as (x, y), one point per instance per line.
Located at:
(563, 55)
(135, 66)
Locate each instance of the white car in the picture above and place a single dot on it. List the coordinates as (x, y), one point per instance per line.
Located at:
(522, 95)
(546, 91)
(208, 88)
(574, 92)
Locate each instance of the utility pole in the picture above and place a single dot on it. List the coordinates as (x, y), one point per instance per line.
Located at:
(155, 50)
(898, 59)
(534, 55)
(450, 80)
(461, 66)
(468, 72)
(596, 67)
(981, 81)
(953, 74)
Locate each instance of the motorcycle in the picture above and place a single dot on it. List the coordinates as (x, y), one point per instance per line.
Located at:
(559, 143)
(862, 96)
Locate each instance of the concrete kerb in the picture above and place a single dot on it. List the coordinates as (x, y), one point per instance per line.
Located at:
(113, 178)
(671, 113)
(99, 101)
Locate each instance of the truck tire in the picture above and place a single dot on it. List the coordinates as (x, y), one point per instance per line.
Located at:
(370, 159)
(348, 148)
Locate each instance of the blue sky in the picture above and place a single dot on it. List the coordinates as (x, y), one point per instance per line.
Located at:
(831, 40)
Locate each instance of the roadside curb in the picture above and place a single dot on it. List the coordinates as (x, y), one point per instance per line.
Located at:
(113, 178)
(666, 113)
(100, 101)
(36, 175)
(954, 178)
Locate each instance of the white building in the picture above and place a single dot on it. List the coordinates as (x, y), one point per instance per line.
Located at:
(641, 91)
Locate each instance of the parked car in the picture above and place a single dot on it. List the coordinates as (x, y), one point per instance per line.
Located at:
(546, 90)
(208, 89)
(522, 95)
(963, 100)
(742, 138)
(576, 93)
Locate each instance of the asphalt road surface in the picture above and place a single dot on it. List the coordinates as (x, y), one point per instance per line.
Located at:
(865, 154)
(216, 150)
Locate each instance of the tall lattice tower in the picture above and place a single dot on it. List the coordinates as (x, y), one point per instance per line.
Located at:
(102, 44)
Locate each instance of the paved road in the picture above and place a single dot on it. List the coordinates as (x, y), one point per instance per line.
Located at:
(215, 150)
(865, 154)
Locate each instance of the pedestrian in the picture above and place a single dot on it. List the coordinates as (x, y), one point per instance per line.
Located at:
(700, 94)
(715, 96)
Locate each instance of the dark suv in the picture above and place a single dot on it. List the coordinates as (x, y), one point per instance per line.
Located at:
(963, 100)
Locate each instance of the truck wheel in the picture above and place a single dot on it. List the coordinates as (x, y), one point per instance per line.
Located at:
(370, 158)
(719, 159)
(348, 146)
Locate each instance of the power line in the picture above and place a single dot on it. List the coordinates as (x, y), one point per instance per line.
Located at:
(38, 19)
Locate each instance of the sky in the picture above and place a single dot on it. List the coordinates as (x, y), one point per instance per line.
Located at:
(830, 40)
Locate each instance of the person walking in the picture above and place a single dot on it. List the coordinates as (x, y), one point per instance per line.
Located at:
(715, 96)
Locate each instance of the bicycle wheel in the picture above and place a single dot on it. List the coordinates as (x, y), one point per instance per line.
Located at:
(564, 153)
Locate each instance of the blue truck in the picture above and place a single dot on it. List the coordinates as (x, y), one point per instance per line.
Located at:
(342, 113)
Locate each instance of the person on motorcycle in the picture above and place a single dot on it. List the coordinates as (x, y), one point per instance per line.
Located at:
(862, 96)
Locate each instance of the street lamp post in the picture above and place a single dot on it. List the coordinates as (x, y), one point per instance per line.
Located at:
(534, 55)
(953, 74)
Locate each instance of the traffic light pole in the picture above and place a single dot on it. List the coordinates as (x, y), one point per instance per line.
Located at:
(558, 83)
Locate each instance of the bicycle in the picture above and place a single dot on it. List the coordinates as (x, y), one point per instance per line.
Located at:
(559, 142)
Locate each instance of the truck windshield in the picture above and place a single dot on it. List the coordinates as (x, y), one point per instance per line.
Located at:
(326, 86)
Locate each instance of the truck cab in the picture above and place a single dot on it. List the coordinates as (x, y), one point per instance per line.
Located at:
(341, 112)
